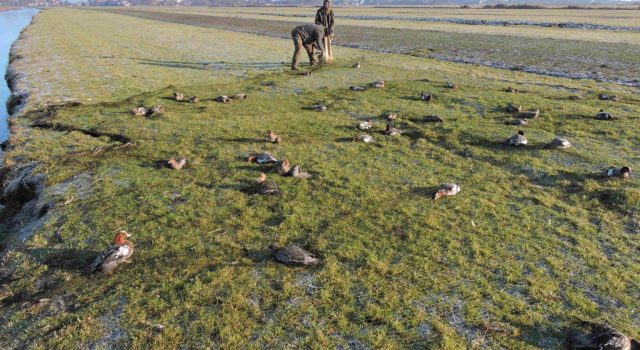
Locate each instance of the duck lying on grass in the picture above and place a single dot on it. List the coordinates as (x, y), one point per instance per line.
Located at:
(156, 111)
(295, 256)
(624, 172)
(357, 88)
(510, 89)
(178, 96)
(558, 142)
(391, 131)
(272, 137)
(425, 96)
(446, 190)
(299, 174)
(511, 108)
(517, 140)
(363, 138)
(285, 169)
(378, 84)
(223, 99)
(605, 97)
(366, 125)
(602, 337)
(262, 158)
(119, 252)
(266, 187)
(194, 99)
(390, 116)
(139, 111)
(176, 163)
(319, 107)
(451, 86)
(602, 115)
(356, 65)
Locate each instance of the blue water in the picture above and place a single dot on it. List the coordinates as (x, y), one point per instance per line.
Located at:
(11, 23)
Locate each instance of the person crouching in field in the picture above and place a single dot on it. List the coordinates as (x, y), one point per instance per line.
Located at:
(307, 36)
(324, 17)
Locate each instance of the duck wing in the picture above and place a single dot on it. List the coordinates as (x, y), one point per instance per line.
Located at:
(100, 259)
(115, 258)
(294, 255)
(269, 188)
(109, 259)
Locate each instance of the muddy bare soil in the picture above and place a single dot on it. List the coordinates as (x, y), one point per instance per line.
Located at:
(610, 62)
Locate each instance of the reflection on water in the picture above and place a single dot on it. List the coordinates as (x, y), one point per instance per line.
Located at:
(11, 23)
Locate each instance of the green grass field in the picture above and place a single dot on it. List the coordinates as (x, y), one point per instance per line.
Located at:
(535, 242)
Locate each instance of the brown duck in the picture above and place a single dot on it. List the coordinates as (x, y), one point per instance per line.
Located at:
(266, 187)
(601, 337)
(272, 137)
(139, 111)
(446, 190)
(176, 163)
(156, 111)
(284, 167)
(295, 256)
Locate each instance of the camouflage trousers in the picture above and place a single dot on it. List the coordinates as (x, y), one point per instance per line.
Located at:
(297, 47)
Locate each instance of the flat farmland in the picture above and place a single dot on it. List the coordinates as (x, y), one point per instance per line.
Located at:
(581, 53)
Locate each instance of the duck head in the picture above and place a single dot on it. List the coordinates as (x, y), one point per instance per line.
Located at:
(625, 171)
(121, 237)
(261, 178)
(520, 132)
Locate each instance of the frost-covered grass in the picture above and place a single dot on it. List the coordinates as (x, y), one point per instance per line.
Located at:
(533, 242)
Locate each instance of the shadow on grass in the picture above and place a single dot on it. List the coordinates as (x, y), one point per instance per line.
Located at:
(65, 259)
(259, 255)
(211, 65)
(425, 191)
(155, 164)
(243, 139)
